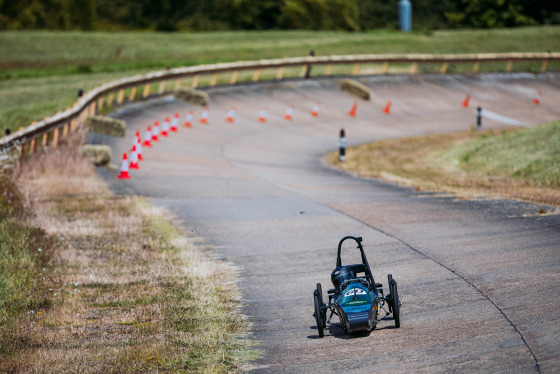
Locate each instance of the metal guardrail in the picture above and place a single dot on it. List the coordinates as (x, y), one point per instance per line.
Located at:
(48, 132)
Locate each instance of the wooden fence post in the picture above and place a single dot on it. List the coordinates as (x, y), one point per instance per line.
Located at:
(132, 94)
(161, 89)
(234, 75)
(146, 91)
(55, 137)
(214, 79)
(177, 85)
(195, 81)
(120, 97)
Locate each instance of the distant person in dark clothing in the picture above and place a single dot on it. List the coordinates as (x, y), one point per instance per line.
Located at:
(7, 132)
(308, 70)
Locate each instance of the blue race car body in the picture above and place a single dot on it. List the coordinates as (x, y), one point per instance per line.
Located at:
(355, 298)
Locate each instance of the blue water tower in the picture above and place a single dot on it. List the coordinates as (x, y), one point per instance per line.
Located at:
(405, 15)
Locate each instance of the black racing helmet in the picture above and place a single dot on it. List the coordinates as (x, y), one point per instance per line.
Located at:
(341, 274)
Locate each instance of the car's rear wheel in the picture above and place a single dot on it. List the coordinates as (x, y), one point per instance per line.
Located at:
(318, 313)
(396, 304)
(323, 309)
(389, 282)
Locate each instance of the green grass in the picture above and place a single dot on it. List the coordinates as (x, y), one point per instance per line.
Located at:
(531, 154)
(518, 164)
(25, 251)
(41, 71)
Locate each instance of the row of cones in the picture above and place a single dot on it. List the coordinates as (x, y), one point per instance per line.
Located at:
(536, 99)
(150, 136)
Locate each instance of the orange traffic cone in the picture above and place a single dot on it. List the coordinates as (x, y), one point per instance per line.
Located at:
(289, 113)
(135, 141)
(148, 137)
(262, 115)
(175, 122)
(165, 127)
(124, 168)
(352, 111)
(138, 146)
(231, 115)
(537, 98)
(155, 132)
(315, 111)
(204, 118)
(466, 101)
(134, 159)
(188, 119)
(387, 108)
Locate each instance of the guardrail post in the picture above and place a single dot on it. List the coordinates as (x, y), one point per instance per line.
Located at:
(214, 79)
(443, 69)
(161, 89)
(92, 108)
(120, 97)
(132, 94)
(111, 99)
(195, 81)
(33, 146)
(356, 69)
(177, 85)
(74, 125)
(509, 66)
(385, 68)
(45, 139)
(256, 75)
(303, 71)
(65, 131)
(414, 68)
(146, 92)
(280, 73)
(101, 102)
(55, 137)
(329, 69)
(543, 66)
(475, 67)
(234, 76)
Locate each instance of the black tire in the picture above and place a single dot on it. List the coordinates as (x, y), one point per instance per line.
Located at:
(396, 305)
(318, 313)
(323, 309)
(389, 283)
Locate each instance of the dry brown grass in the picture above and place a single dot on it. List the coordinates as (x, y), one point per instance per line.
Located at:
(414, 162)
(129, 292)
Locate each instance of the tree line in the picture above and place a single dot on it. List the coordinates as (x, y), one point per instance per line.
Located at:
(210, 15)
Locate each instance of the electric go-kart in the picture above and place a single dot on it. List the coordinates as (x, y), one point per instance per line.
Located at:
(356, 299)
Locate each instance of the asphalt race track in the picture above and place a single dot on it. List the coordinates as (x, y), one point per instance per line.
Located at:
(479, 280)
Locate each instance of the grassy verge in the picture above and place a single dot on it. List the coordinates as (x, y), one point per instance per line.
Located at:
(41, 72)
(515, 164)
(116, 288)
